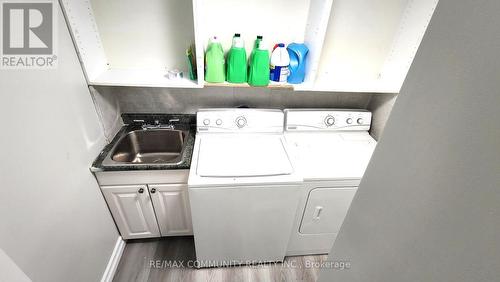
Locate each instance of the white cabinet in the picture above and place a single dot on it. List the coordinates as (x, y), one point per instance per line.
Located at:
(144, 211)
(171, 204)
(325, 210)
(132, 210)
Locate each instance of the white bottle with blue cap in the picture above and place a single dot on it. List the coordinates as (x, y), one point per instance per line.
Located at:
(279, 64)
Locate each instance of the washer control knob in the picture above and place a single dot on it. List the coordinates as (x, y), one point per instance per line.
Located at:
(329, 120)
(218, 122)
(206, 121)
(241, 121)
(349, 120)
(360, 121)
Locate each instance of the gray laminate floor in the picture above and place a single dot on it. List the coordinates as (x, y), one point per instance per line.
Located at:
(166, 260)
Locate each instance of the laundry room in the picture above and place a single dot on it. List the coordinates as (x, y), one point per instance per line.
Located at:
(218, 140)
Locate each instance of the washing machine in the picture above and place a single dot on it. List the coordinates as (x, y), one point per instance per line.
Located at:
(243, 187)
(331, 149)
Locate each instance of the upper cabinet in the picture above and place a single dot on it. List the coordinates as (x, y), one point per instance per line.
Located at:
(355, 45)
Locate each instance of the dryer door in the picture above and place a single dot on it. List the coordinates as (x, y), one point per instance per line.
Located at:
(326, 209)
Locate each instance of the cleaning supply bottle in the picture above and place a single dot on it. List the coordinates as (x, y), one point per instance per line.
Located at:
(214, 61)
(257, 42)
(258, 74)
(191, 60)
(237, 61)
(279, 64)
(298, 55)
(255, 47)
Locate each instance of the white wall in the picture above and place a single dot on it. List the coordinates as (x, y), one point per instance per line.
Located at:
(428, 208)
(128, 45)
(381, 106)
(54, 223)
(111, 102)
(171, 100)
(9, 271)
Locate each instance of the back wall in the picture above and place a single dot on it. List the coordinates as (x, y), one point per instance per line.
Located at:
(110, 102)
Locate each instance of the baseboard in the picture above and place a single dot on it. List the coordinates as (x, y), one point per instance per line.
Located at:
(109, 273)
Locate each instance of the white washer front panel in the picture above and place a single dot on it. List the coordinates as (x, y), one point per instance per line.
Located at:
(242, 155)
(242, 224)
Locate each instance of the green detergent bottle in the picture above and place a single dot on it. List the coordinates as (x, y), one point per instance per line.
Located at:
(237, 61)
(258, 74)
(214, 62)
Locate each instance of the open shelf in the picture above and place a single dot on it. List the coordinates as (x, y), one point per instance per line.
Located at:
(141, 78)
(272, 84)
(374, 86)
(354, 45)
(370, 45)
(278, 21)
(132, 43)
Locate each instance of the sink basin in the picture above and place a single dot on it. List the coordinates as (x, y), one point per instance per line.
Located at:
(151, 146)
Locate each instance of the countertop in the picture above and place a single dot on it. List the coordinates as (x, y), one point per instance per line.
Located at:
(134, 122)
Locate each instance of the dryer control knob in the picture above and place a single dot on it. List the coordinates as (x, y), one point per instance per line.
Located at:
(329, 120)
(349, 120)
(360, 121)
(218, 122)
(241, 121)
(206, 121)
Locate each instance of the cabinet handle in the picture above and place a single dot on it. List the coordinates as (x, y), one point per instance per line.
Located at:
(153, 190)
(317, 212)
(141, 190)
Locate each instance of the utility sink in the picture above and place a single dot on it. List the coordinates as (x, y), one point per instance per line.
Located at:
(149, 146)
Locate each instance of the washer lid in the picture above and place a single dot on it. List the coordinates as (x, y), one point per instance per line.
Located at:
(242, 155)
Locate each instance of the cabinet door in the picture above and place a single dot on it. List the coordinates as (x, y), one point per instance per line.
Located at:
(171, 204)
(132, 210)
(326, 209)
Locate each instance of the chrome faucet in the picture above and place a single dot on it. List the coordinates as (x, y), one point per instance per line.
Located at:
(157, 125)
